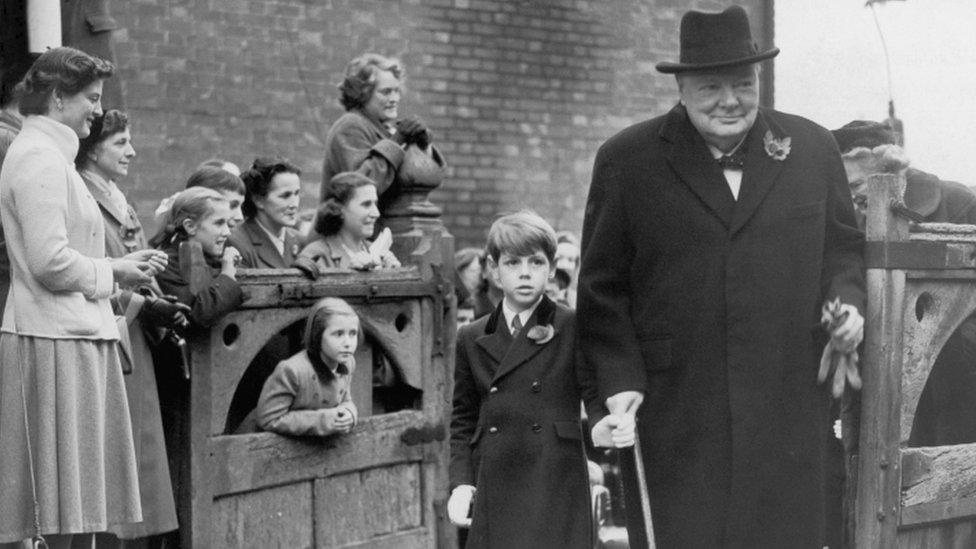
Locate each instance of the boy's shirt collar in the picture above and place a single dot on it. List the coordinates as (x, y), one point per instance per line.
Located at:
(509, 313)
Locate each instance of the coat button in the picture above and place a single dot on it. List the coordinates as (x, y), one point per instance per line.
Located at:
(536, 386)
(493, 430)
(493, 390)
(536, 428)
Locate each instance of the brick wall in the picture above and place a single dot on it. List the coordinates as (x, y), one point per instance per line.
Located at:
(519, 93)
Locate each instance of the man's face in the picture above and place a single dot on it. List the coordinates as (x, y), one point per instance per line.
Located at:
(858, 171)
(721, 104)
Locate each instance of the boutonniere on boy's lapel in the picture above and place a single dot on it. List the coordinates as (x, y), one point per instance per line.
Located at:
(777, 149)
(543, 332)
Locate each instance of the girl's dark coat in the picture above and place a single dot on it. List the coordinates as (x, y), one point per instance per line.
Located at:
(515, 434)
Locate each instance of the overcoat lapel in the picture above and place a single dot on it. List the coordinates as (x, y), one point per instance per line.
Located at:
(262, 245)
(106, 203)
(689, 157)
(759, 174)
(496, 340)
(523, 349)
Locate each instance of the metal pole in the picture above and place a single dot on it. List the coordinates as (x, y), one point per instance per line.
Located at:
(645, 497)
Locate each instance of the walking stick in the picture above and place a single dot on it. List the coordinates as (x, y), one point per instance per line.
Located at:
(645, 497)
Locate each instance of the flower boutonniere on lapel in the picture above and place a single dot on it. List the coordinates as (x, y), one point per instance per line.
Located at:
(541, 333)
(777, 149)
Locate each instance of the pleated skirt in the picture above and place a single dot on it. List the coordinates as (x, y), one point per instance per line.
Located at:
(81, 446)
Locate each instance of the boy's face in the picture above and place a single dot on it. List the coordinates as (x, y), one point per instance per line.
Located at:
(522, 278)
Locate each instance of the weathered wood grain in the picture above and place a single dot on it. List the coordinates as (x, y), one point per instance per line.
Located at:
(276, 517)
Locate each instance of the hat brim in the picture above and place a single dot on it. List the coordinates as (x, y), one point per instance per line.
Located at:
(672, 68)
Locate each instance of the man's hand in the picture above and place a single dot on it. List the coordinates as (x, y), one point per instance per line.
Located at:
(848, 334)
(614, 431)
(459, 505)
(625, 402)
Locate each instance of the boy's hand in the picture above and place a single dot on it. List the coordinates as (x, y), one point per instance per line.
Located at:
(459, 505)
(338, 420)
(614, 431)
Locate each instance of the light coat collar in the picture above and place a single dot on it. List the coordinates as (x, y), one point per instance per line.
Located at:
(65, 139)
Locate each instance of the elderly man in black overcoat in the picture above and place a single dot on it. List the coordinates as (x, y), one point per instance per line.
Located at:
(713, 235)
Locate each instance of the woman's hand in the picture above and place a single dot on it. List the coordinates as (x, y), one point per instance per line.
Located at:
(129, 273)
(229, 260)
(157, 259)
(411, 129)
(337, 420)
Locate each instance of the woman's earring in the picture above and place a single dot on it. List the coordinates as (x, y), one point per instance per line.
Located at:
(60, 105)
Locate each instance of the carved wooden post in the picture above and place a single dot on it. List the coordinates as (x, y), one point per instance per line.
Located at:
(876, 510)
(420, 238)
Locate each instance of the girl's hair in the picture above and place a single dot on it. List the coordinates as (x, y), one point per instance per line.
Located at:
(218, 179)
(103, 127)
(193, 204)
(318, 322)
(467, 256)
(60, 70)
(341, 189)
(257, 180)
(360, 79)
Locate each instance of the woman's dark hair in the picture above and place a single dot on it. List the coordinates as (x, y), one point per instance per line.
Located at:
(467, 256)
(257, 180)
(360, 80)
(60, 70)
(218, 179)
(342, 187)
(103, 127)
(316, 325)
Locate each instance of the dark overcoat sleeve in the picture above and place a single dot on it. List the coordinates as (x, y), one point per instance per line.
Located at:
(221, 295)
(606, 336)
(352, 146)
(843, 276)
(466, 409)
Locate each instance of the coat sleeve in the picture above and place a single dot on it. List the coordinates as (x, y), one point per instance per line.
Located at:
(352, 149)
(274, 409)
(464, 417)
(610, 354)
(843, 275)
(40, 196)
(221, 295)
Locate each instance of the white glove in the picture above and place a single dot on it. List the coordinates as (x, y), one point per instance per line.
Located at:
(614, 431)
(459, 505)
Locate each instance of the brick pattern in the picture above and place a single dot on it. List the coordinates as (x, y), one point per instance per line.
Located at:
(519, 93)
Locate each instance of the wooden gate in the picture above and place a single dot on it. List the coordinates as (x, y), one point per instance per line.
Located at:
(921, 286)
(382, 485)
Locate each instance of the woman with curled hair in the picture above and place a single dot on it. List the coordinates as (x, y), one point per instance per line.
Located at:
(67, 458)
(267, 239)
(368, 138)
(103, 159)
(346, 220)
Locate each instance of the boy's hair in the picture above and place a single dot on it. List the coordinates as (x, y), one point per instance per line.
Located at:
(218, 179)
(520, 234)
(315, 326)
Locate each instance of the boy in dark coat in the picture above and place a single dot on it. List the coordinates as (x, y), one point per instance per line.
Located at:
(515, 430)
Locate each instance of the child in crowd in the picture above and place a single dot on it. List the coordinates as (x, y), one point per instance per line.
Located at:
(224, 182)
(200, 215)
(515, 430)
(345, 223)
(308, 394)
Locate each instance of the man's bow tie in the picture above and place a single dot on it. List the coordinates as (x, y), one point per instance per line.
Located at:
(734, 161)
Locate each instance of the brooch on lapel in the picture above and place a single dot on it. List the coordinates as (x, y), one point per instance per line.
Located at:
(541, 334)
(777, 149)
(295, 249)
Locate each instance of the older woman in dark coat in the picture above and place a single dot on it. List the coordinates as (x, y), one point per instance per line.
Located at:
(104, 157)
(368, 138)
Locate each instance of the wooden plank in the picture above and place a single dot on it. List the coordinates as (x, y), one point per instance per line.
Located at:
(274, 517)
(374, 503)
(950, 535)
(248, 462)
(920, 255)
(419, 538)
(938, 474)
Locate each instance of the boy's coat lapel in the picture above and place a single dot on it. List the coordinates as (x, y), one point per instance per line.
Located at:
(523, 349)
(495, 340)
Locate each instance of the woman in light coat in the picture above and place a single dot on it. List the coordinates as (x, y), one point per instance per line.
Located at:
(67, 462)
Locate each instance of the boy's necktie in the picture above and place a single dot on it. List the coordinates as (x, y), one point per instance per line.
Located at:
(516, 325)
